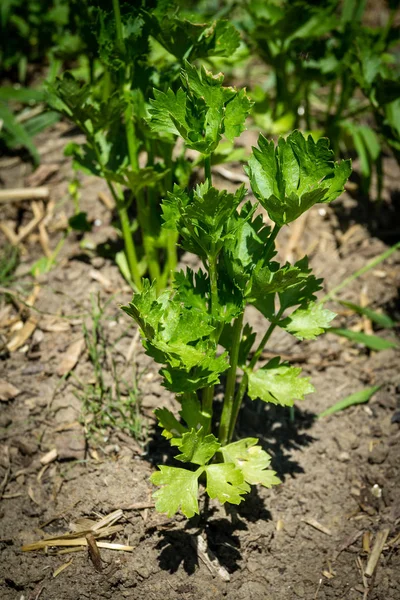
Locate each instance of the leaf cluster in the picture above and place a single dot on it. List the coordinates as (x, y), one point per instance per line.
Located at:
(184, 328)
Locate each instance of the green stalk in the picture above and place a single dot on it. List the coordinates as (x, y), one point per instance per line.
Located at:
(208, 392)
(172, 259)
(207, 399)
(231, 381)
(207, 169)
(133, 147)
(172, 236)
(245, 380)
(118, 24)
(130, 249)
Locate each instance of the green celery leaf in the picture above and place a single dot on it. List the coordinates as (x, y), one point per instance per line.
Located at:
(191, 412)
(302, 292)
(201, 112)
(267, 280)
(278, 383)
(183, 38)
(308, 321)
(192, 288)
(247, 247)
(295, 175)
(235, 115)
(147, 309)
(226, 482)
(168, 112)
(204, 374)
(203, 217)
(252, 460)
(136, 181)
(195, 447)
(180, 490)
(169, 423)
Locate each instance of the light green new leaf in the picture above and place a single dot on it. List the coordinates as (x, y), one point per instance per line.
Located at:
(278, 383)
(252, 461)
(201, 112)
(226, 482)
(180, 490)
(307, 322)
(293, 176)
(195, 447)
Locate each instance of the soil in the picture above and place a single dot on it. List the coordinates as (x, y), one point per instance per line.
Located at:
(310, 537)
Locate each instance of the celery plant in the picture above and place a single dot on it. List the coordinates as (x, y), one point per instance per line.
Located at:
(112, 112)
(183, 328)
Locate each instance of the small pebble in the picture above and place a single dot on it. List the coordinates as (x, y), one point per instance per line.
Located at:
(378, 454)
(344, 457)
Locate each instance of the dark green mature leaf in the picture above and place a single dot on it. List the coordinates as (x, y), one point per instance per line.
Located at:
(75, 100)
(192, 288)
(278, 383)
(187, 40)
(308, 321)
(135, 34)
(201, 112)
(252, 460)
(180, 490)
(302, 292)
(295, 175)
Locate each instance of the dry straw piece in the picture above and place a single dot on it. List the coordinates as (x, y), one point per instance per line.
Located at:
(80, 530)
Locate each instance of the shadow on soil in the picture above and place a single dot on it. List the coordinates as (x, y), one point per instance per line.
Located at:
(179, 547)
(279, 430)
(379, 217)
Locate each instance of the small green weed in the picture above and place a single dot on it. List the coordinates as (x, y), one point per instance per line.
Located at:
(9, 259)
(108, 401)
